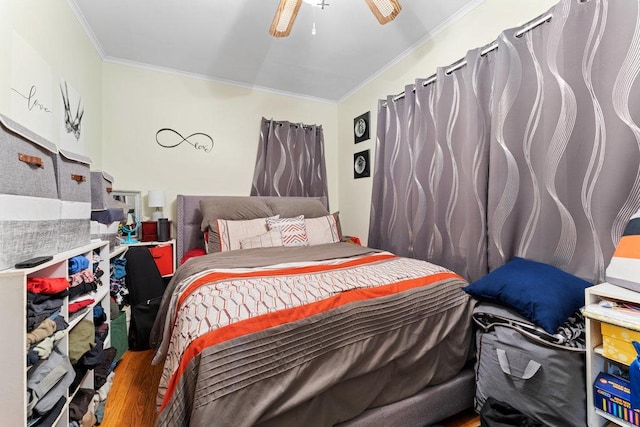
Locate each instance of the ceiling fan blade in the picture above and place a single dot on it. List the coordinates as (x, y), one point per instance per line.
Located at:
(384, 10)
(284, 18)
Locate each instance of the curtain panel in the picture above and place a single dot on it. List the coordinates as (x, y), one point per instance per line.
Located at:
(530, 150)
(290, 161)
(430, 180)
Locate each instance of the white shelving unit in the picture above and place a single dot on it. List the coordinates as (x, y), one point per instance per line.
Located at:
(13, 334)
(594, 317)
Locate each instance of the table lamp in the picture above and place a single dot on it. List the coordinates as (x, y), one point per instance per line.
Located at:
(156, 200)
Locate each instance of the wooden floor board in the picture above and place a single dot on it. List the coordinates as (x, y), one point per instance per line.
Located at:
(132, 398)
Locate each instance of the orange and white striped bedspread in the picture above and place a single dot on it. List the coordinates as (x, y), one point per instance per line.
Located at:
(232, 335)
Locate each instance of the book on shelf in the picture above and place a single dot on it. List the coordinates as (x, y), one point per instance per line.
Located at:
(623, 316)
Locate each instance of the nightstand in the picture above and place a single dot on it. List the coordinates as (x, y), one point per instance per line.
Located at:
(164, 254)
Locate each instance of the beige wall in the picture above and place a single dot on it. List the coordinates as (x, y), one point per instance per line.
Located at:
(480, 26)
(138, 102)
(125, 106)
(52, 30)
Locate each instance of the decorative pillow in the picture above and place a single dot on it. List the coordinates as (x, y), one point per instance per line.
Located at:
(269, 239)
(206, 241)
(542, 293)
(230, 233)
(294, 233)
(289, 207)
(624, 267)
(233, 208)
(324, 229)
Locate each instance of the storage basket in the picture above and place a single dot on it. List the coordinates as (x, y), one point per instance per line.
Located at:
(74, 189)
(108, 233)
(163, 257)
(101, 187)
(29, 205)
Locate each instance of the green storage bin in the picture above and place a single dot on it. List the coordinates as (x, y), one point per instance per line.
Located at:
(119, 335)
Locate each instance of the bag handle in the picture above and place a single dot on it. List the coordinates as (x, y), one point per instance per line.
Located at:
(529, 371)
(78, 178)
(30, 160)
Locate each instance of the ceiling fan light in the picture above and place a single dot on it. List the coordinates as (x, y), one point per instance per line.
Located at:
(384, 10)
(284, 18)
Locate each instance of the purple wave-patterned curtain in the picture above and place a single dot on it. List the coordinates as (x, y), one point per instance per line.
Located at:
(565, 153)
(430, 180)
(530, 149)
(290, 161)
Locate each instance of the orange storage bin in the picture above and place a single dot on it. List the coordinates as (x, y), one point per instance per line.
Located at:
(163, 255)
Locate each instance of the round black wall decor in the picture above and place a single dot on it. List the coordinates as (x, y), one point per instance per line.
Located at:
(361, 167)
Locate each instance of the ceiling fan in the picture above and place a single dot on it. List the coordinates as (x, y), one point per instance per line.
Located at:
(384, 10)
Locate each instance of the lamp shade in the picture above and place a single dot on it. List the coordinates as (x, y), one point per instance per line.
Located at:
(156, 198)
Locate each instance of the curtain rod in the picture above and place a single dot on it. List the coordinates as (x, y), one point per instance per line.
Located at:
(266, 122)
(493, 46)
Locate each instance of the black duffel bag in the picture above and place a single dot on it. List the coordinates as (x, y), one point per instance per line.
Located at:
(495, 413)
(142, 317)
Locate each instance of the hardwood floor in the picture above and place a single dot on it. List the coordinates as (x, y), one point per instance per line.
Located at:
(467, 418)
(131, 401)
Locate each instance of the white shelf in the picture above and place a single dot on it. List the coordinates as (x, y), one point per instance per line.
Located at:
(595, 315)
(613, 419)
(62, 414)
(117, 251)
(57, 259)
(609, 291)
(13, 293)
(613, 316)
(73, 323)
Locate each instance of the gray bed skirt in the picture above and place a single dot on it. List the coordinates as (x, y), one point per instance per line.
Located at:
(431, 405)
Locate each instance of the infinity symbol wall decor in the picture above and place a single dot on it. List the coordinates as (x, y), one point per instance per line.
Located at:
(171, 139)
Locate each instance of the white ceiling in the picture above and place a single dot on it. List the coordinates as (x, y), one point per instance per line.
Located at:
(228, 40)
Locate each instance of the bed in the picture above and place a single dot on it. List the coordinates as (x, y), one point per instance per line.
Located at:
(329, 333)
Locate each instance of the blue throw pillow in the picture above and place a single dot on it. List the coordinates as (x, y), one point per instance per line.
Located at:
(542, 293)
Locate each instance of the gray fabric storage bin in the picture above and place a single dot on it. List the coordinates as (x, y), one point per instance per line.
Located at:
(74, 177)
(26, 162)
(74, 189)
(113, 239)
(101, 187)
(29, 203)
(541, 381)
(108, 233)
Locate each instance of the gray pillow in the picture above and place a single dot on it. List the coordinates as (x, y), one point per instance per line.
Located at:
(230, 207)
(289, 207)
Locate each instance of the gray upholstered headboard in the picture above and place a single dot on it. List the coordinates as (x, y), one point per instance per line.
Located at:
(189, 219)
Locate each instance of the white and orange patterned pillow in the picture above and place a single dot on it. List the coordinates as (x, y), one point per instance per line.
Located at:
(231, 232)
(324, 229)
(270, 239)
(293, 230)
